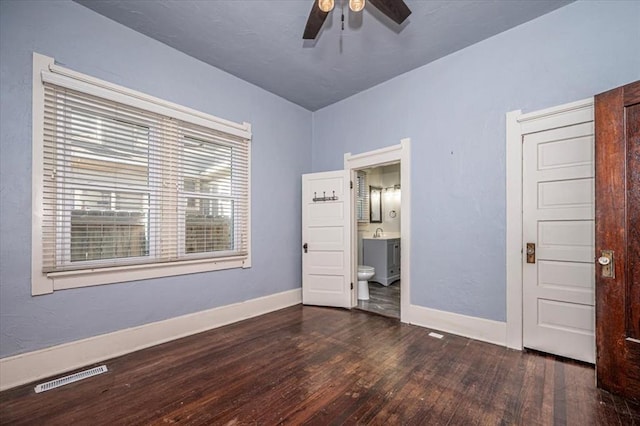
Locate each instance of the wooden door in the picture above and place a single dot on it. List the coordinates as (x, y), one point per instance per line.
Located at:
(326, 238)
(617, 127)
(558, 213)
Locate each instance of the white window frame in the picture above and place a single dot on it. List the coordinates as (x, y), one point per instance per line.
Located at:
(45, 283)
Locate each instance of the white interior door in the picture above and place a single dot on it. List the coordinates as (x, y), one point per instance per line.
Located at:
(558, 217)
(326, 257)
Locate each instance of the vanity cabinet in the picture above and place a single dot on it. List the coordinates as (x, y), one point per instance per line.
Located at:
(384, 256)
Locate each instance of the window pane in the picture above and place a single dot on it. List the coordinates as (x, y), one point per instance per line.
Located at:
(108, 225)
(103, 156)
(207, 187)
(207, 167)
(208, 225)
(362, 197)
(107, 151)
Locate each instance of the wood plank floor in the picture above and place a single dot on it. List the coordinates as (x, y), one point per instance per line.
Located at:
(310, 365)
(382, 300)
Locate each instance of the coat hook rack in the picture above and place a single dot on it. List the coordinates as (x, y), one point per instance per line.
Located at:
(324, 197)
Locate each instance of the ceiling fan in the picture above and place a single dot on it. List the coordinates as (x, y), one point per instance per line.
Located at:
(396, 10)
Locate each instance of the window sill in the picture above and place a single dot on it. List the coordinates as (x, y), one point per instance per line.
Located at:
(91, 277)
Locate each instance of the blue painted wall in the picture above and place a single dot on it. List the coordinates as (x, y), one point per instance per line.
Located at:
(84, 41)
(454, 112)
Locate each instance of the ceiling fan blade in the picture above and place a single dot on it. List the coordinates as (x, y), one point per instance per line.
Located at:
(397, 10)
(315, 21)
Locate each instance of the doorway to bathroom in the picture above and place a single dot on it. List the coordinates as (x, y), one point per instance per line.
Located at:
(380, 223)
(377, 192)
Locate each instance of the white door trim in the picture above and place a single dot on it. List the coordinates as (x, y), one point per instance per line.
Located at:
(380, 157)
(518, 125)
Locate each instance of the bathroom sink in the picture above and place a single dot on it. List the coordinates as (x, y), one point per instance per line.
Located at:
(384, 236)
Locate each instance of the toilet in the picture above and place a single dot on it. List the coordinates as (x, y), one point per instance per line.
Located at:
(365, 273)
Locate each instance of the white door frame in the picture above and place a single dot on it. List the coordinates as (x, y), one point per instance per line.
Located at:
(518, 125)
(380, 157)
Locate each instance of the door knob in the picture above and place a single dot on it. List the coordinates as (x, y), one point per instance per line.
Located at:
(305, 247)
(604, 260)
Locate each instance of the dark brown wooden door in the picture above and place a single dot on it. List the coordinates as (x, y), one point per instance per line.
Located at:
(617, 147)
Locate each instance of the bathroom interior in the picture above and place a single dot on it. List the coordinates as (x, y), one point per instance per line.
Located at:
(378, 216)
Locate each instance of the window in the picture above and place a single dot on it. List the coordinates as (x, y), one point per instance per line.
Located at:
(130, 181)
(362, 197)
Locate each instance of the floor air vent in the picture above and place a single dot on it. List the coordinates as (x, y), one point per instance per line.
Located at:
(70, 379)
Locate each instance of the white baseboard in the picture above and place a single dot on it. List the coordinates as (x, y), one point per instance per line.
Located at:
(28, 367)
(475, 328)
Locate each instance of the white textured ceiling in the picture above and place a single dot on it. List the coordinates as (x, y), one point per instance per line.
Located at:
(260, 41)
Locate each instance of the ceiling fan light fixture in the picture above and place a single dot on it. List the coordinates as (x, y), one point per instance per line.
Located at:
(396, 10)
(356, 5)
(326, 5)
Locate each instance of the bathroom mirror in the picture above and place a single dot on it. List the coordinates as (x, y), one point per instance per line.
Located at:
(375, 206)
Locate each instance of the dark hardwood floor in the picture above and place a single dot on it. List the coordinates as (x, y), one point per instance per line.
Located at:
(382, 300)
(311, 365)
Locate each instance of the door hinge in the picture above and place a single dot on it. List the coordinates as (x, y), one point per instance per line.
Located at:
(351, 184)
(351, 286)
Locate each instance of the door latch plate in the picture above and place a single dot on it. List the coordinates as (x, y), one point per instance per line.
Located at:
(608, 266)
(531, 253)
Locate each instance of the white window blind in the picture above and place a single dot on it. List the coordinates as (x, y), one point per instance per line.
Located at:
(124, 186)
(362, 197)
